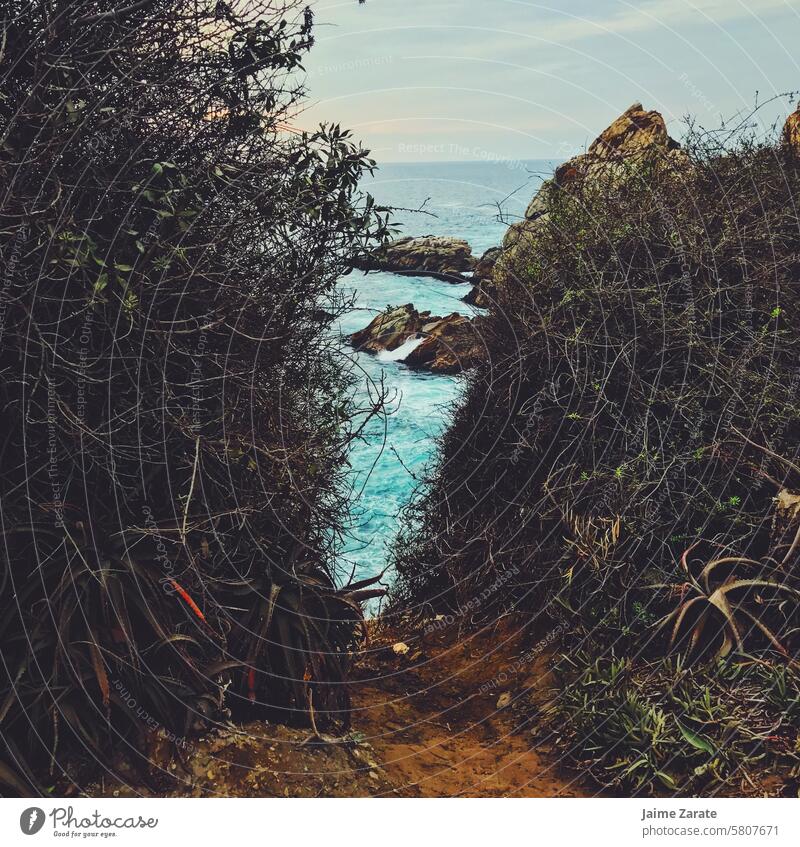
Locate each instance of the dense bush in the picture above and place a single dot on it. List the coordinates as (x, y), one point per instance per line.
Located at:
(637, 417)
(172, 427)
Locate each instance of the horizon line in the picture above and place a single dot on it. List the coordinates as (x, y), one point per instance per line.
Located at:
(464, 161)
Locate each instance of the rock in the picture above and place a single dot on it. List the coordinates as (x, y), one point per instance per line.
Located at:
(635, 136)
(485, 265)
(482, 293)
(450, 346)
(430, 255)
(634, 131)
(390, 329)
(478, 297)
(503, 700)
(790, 137)
(447, 345)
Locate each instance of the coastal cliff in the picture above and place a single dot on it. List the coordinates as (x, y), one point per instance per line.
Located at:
(644, 419)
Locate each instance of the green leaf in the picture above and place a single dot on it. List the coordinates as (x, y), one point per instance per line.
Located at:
(667, 779)
(158, 168)
(695, 740)
(637, 764)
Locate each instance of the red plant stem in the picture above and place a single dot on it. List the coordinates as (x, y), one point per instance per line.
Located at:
(189, 602)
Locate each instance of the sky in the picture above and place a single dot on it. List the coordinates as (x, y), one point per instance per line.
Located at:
(452, 80)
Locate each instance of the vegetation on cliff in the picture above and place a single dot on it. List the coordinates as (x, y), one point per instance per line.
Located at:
(629, 455)
(173, 433)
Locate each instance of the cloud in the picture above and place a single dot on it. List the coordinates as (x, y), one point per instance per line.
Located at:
(564, 27)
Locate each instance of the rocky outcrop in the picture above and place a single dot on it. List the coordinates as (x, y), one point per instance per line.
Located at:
(450, 346)
(790, 137)
(391, 329)
(446, 345)
(636, 133)
(429, 255)
(481, 293)
(636, 136)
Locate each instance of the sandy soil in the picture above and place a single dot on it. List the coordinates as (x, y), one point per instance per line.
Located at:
(432, 715)
(426, 723)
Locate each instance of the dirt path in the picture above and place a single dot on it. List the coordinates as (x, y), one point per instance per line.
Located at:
(426, 723)
(431, 715)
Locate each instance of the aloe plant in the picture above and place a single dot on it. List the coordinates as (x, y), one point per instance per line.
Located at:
(726, 601)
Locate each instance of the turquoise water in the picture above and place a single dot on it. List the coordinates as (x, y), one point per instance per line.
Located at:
(463, 201)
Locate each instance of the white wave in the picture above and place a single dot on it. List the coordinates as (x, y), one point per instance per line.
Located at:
(411, 343)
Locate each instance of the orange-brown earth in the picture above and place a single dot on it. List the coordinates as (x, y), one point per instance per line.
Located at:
(426, 723)
(433, 719)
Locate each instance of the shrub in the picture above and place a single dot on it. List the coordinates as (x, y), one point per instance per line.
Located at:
(661, 727)
(643, 335)
(640, 399)
(172, 423)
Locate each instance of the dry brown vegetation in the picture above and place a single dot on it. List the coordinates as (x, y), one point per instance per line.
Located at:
(622, 450)
(173, 430)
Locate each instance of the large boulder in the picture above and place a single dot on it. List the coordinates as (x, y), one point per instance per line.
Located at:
(481, 293)
(446, 345)
(635, 133)
(637, 136)
(429, 255)
(450, 346)
(391, 329)
(791, 132)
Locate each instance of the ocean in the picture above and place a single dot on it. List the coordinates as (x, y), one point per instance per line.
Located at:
(472, 200)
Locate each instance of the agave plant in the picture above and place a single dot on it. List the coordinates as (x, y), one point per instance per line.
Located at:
(101, 647)
(719, 610)
(298, 641)
(94, 649)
